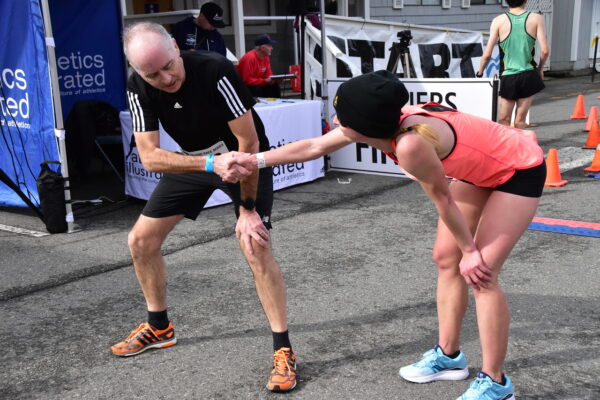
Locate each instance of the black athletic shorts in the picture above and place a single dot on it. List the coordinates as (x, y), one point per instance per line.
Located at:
(525, 182)
(521, 85)
(187, 194)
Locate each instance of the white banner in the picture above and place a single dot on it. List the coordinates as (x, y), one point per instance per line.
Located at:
(432, 54)
(473, 96)
(285, 121)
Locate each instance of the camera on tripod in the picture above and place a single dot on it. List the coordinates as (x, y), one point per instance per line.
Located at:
(399, 54)
(404, 37)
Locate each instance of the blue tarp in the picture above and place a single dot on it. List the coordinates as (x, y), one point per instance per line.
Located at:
(26, 114)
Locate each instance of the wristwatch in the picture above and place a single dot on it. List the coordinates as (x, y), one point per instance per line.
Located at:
(478, 75)
(248, 204)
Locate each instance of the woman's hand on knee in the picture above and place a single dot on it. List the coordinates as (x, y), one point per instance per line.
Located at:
(476, 273)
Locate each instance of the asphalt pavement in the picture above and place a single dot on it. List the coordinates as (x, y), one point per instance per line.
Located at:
(356, 254)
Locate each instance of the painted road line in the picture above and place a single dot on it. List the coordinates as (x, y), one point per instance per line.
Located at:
(566, 226)
(21, 231)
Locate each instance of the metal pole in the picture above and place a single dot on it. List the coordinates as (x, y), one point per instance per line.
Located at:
(324, 78)
(58, 118)
(495, 89)
(238, 28)
(302, 49)
(595, 55)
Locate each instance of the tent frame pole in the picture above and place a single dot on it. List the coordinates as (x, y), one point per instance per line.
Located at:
(59, 128)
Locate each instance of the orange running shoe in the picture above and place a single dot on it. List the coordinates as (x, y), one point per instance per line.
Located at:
(143, 338)
(283, 376)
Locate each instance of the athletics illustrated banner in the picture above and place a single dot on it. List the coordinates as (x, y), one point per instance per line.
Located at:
(432, 54)
(89, 55)
(473, 96)
(26, 115)
(285, 121)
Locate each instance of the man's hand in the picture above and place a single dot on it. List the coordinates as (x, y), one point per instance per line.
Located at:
(247, 161)
(226, 167)
(249, 226)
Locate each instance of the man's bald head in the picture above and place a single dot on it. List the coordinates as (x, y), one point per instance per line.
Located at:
(142, 40)
(154, 55)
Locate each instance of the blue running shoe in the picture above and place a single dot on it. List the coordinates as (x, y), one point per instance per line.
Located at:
(436, 366)
(484, 388)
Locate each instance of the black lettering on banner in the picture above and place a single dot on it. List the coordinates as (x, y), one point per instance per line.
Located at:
(428, 67)
(342, 70)
(422, 97)
(466, 51)
(374, 153)
(450, 103)
(359, 148)
(436, 97)
(367, 50)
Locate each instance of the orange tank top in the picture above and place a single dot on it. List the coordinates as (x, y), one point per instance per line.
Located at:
(485, 153)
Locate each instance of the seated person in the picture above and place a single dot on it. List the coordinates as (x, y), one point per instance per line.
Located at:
(255, 69)
(201, 33)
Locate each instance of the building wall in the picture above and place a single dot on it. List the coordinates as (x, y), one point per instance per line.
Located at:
(561, 56)
(475, 18)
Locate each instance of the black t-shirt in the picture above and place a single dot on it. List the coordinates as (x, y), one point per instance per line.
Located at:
(196, 115)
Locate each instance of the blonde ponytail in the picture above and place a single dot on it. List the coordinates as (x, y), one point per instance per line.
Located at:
(426, 131)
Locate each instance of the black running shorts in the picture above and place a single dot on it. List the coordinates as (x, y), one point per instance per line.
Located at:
(521, 85)
(187, 194)
(526, 182)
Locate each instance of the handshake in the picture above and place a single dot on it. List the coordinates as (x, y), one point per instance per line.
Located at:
(235, 166)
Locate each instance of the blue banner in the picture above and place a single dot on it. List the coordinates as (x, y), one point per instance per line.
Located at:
(89, 55)
(26, 114)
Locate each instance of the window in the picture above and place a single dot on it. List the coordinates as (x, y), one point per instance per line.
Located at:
(257, 8)
(422, 2)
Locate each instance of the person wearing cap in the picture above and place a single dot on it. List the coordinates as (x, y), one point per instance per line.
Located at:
(201, 33)
(499, 176)
(255, 69)
(201, 102)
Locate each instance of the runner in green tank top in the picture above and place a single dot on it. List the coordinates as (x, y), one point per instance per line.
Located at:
(519, 44)
(516, 32)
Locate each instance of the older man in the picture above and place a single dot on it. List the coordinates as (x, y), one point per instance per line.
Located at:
(255, 68)
(202, 103)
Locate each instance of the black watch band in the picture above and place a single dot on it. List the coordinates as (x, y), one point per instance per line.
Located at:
(478, 75)
(248, 204)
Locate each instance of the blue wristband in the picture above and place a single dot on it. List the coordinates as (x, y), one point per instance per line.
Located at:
(210, 166)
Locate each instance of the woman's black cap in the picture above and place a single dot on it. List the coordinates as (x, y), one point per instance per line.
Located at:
(370, 103)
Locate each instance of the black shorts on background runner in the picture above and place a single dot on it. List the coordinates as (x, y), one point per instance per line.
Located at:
(187, 194)
(521, 85)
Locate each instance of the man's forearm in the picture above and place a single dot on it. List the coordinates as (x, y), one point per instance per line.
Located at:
(160, 160)
(249, 185)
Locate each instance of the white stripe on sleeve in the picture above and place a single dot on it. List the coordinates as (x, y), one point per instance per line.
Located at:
(231, 97)
(139, 124)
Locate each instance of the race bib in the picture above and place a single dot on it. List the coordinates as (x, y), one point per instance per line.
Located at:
(217, 148)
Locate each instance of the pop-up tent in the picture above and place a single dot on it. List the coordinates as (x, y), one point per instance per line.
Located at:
(43, 74)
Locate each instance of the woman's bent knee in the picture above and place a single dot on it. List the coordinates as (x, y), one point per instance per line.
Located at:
(446, 260)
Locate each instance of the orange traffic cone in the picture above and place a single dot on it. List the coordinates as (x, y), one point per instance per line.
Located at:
(579, 110)
(593, 138)
(553, 177)
(592, 117)
(595, 167)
